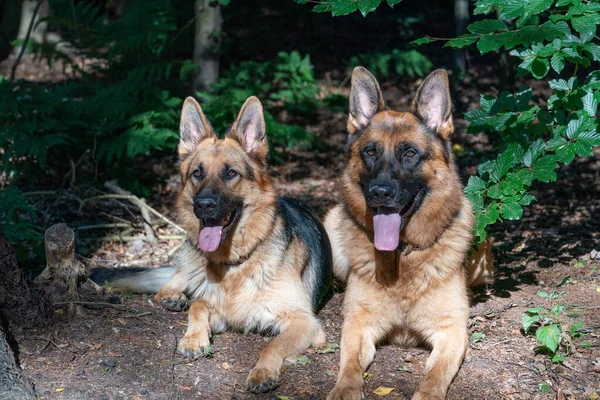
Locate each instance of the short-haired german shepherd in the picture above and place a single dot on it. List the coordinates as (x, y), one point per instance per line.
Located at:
(252, 261)
(401, 235)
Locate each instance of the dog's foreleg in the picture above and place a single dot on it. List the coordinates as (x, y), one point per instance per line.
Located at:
(196, 342)
(449, 348)
(297, 334)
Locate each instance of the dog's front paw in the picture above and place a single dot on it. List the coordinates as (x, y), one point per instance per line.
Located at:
(172, 300)
(346, 391)
(262, 380)
(194, 346)
(427, 395)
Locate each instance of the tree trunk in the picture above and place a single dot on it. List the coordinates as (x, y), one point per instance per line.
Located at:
(207, 38)
(38, 34)
(13, 386)
(21, 304)
(461, 19)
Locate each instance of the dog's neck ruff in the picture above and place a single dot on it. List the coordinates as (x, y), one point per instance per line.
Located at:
(405, 248)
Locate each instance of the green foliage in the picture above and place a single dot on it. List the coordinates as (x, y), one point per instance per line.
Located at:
(557, 338)
(344, 7)
(402, 62)
(283, 84)
(534, 139)
(119, 107)
(16, 215)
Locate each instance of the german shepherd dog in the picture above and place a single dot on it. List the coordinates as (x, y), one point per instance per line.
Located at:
(401, 235)
(252, 261)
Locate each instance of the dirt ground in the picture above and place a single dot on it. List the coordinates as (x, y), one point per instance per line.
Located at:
(124, 347)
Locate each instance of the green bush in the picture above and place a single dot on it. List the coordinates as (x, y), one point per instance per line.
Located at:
(402, 62)
(283, 84)
(549, 38)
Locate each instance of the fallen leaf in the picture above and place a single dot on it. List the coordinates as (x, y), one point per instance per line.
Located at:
(283, 397)
(303, 360)
(59, 390)
(115, 354)
(186, 387)
(382, 391)
(367, 375)
(330, 348)
(225, 365)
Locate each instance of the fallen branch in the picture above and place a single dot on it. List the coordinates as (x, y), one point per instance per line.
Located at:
(104, 226)
(133, 198)
(141, 203)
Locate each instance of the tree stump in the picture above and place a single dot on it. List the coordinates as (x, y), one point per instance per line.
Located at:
(63, 271)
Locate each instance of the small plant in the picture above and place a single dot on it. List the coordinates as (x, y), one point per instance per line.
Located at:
(402, 62)
(557, 337)
(285, 83)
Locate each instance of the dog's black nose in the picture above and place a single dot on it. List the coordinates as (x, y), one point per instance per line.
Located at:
(381, 194)
(205, 204)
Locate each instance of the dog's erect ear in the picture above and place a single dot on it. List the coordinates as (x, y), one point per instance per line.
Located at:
(193, 127)
(249, 129)
(366, 99)
(433, 105)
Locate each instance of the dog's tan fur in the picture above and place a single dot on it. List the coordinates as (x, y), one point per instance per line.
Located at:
(253, 282)
(416, 295)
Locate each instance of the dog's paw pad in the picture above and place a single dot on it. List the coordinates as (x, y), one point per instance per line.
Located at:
(346, 393)
(191, 347)
(262, 380)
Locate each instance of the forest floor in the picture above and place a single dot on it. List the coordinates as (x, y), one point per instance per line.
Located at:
(127, 350)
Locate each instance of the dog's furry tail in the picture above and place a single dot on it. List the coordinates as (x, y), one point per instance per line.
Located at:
(480, 265)
(136, 280)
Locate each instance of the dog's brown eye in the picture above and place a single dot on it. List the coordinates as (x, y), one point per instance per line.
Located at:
(197, 173)
(231, 173)
(370, 152)
(410, 153)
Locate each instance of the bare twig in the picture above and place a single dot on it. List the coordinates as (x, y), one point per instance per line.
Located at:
(133, 199)
(26, 41)
(104, 226)
(114, 187)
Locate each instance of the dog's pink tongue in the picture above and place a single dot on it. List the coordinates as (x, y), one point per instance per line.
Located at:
(387, 231)
(210, 238)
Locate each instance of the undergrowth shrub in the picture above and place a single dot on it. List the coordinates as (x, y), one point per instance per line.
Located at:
(555, 40)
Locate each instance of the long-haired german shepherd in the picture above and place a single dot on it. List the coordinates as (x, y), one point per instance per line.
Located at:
(401, 235)
(252, 261)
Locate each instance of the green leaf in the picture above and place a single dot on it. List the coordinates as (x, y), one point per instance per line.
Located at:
(549, 336)
(540, 67)
(584, 24)
(559, 84)
(543, 169)
(526, 199)
(523, 97)
(330, 348)
(463, 41)
(511, 211)
(590, 104)
(555, 143)
(392, 3)
(534, 7)
(528, 318)
(535, 149)
(422, 40)
(303, 360)
(542, 294)
(367, 6)
(557, 62)
(486, 26)
(566, 153)
(544, 387)
(502, 165)
(563, 281)
(475, 184)
(489, 43)
(487, 103)
(594, 50)
(573, 128)
(343, 7)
